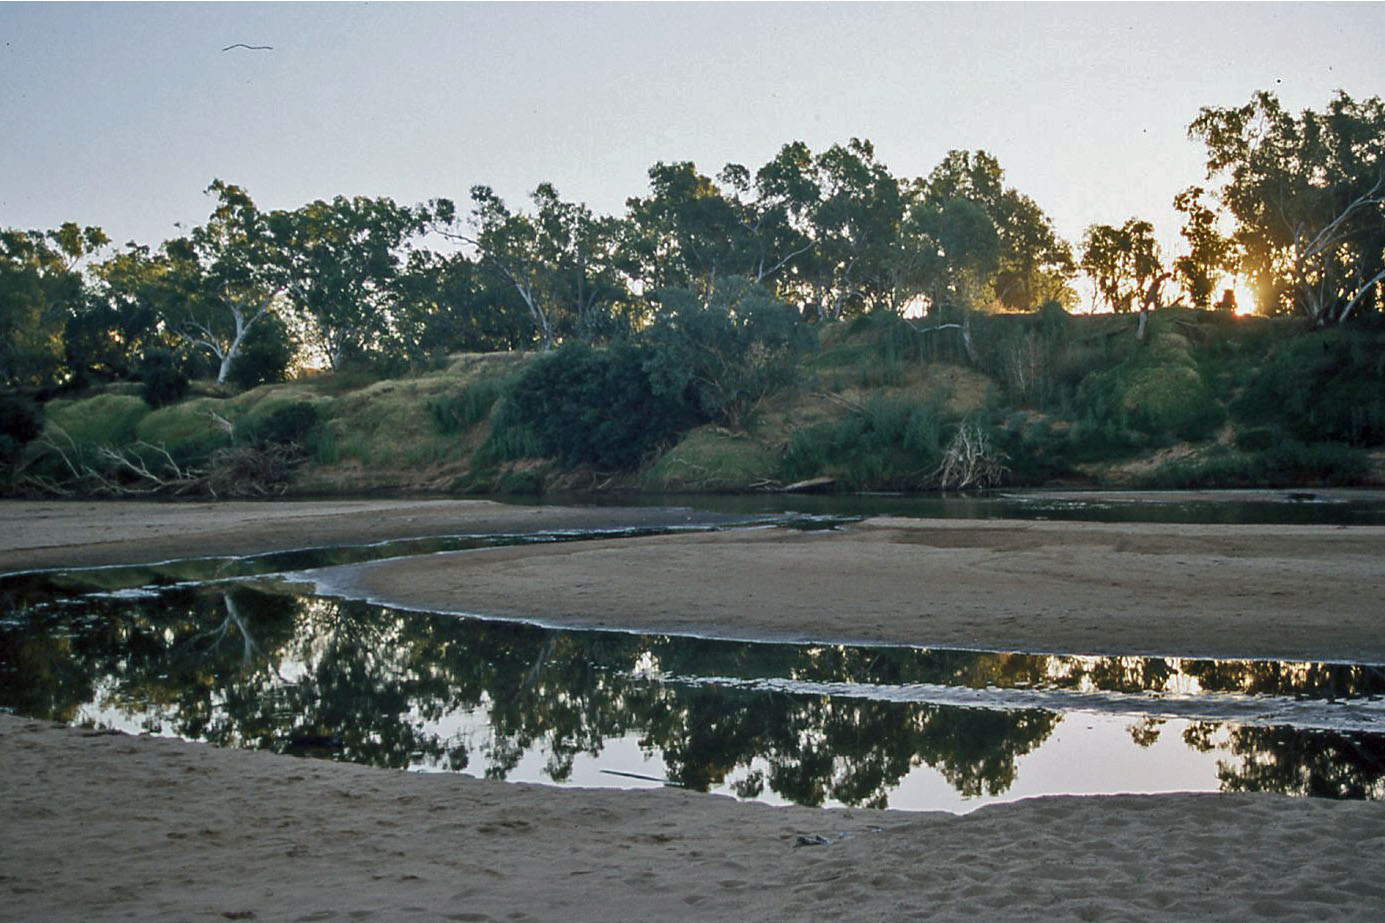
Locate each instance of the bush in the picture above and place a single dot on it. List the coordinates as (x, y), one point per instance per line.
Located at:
(1156, 392)
(21, 421)
(278, 422)
(586, 407)
(1323, 386)
(1257, 439)
(265, 355)
(162, 377)
(712, 459)
(1171, 402)
(725, 355)
(1287, 464)
(1036, 451)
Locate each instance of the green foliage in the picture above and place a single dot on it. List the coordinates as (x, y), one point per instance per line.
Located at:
(1171, 402)
(520, 482)
(1258, 438)
(586, 407)
(1124, 264)
(162, 378)
(1322, 386)
(343, 260)
(1157, 391)
(322, 446)
(39, 290)
(105, 420)
(278, 422)
(21, 422)
(1306, 195)
(892, 444)
(1036, 451)
(1287, 463)
(726, 354)
(265, 354)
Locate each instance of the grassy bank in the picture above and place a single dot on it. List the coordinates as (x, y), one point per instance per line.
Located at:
(1203, 400)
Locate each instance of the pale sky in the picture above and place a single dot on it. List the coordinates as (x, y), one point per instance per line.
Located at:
(121, 114)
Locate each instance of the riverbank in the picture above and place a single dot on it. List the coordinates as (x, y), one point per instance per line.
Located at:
(101, 826)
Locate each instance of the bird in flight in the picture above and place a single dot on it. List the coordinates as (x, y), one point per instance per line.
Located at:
(249, 47)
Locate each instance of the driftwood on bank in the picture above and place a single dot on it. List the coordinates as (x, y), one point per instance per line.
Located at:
(144, 469)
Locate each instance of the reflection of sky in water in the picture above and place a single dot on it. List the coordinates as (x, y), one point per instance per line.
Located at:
(1085, 755)
(914, 729)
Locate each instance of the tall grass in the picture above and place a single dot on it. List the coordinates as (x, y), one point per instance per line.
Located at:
(885, 444)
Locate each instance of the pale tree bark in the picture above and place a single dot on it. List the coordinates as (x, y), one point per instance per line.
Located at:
(1312, 261)
(200, 334)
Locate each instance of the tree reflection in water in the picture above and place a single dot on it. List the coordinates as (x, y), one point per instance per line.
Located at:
(245, 667)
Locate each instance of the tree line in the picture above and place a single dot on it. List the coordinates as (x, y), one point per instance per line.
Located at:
(1293, 203)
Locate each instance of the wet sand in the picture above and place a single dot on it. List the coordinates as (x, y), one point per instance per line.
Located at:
(100, 826)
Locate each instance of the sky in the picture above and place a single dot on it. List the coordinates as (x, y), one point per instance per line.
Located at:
(120, 115)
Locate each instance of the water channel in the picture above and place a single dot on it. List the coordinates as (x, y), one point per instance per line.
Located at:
(231, 652)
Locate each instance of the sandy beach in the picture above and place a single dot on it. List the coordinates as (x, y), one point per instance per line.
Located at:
(106, 826)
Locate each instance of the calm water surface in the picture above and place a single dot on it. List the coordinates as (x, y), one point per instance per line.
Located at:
(220, 650)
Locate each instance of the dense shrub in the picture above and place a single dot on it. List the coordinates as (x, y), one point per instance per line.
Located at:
(1286, 464)
(724, 355)
(21, 421)
(162, 378)
(278, 422)
(1157, 392)
(1323, 386)
(265, 354)
(107, 419)
(586, 407)
(1036, 450)
(189, 431)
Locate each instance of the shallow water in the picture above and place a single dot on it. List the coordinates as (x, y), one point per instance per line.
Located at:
(1336, 506)
(252, 662)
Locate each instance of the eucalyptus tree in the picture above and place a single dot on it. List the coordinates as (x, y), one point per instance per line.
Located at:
(725, 353)
(41, 287)
(1032, 265)
(1123, 263)
(1210, 255)
(772, 237)
(1307, 193)
(120, 317)
(561, 261)
(341, 262)
(582, 281)
(449, 303)
(223, 278)
(863, 258)
(685, 233)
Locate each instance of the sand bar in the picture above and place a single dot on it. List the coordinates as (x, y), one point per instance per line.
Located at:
(78, 533)
(1283, 592)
